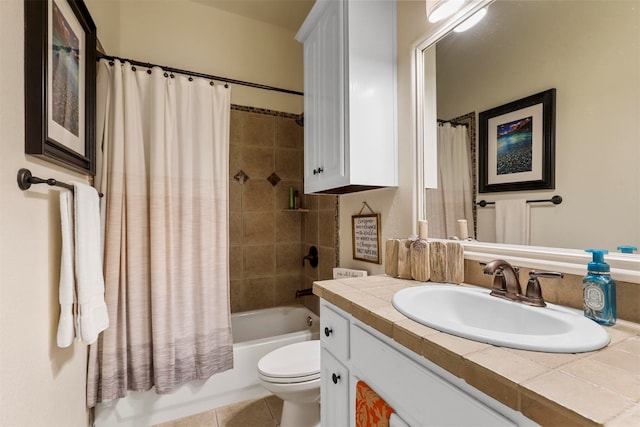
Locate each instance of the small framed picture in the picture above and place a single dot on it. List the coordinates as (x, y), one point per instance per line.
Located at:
(60, 83)
(366, 238)
(517, 145)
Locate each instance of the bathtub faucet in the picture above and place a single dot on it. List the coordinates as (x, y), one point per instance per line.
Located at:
(304, 292)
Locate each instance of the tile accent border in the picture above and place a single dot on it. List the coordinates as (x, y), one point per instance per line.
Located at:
(265, 111)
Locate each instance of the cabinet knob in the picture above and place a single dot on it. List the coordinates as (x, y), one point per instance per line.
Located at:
(320, 169)
(327, 331)
(335, 378)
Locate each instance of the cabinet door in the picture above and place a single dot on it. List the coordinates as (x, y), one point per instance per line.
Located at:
(416, 393)
(324, 143)
(334, 391)
(312, 110)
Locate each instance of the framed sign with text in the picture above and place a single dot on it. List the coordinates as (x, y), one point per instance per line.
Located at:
(366, 238)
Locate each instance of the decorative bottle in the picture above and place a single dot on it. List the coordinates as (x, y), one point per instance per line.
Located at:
(599, 290)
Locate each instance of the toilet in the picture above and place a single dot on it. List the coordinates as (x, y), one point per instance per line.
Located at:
(292, 373)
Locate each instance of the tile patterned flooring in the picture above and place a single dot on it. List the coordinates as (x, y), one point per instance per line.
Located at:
(251, 413)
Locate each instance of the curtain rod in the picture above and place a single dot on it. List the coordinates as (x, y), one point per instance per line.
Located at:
(452, 122)
(204, 76)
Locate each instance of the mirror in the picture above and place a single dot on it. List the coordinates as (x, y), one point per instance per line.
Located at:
(590, 53)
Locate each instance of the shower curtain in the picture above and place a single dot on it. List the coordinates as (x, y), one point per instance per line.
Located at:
(452, 200)
(163, 168)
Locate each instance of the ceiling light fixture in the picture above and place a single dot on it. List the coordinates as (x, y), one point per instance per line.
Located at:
(471, 21)
(439, 9)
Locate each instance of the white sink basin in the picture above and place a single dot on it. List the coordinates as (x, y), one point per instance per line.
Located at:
(472, 313)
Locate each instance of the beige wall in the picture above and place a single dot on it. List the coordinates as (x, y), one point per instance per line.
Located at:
(40, 384)
(195, 37)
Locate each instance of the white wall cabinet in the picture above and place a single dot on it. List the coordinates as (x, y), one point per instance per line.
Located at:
(350, 133)
(421, 393)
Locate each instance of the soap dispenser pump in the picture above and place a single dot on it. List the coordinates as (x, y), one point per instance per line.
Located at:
(599, 290)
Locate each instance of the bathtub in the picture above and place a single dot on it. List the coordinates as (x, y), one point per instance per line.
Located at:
(255, 333)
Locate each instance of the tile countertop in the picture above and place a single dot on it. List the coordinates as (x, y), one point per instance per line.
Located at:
(584, 389)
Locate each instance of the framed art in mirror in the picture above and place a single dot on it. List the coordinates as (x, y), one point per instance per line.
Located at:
(60, 83)
(517, 145)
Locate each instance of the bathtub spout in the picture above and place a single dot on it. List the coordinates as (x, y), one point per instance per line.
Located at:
(304, 292)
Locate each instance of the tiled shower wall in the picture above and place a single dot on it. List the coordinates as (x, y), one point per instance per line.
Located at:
(321, 231)
(268, 242)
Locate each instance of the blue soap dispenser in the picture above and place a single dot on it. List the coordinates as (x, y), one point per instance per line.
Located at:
(599, 290)
(627, 249)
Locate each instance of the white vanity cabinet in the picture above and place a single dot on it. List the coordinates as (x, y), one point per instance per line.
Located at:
(420, 392)
(334, 388)
(350, 131)
(334, 391)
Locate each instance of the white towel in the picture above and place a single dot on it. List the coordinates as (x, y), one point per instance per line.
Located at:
(83, 312)
(92, 313)
(396, 421)
(66, 292)
(512, 221)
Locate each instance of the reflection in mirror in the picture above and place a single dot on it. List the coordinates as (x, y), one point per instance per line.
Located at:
(590, 52)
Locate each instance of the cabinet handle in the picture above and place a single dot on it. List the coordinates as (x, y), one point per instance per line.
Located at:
(335, 378)
(327, 331)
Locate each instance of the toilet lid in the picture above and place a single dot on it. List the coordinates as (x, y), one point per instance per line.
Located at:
(300, 361)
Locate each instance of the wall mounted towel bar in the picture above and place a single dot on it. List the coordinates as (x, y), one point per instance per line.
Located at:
(556, 200)
(26, 179)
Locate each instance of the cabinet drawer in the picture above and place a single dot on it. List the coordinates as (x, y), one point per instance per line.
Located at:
(334, 332)
(418, 394)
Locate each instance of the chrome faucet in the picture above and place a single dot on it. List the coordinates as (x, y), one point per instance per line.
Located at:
(506, 283)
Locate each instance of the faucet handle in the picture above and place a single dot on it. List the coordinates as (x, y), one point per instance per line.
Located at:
(533, 295)
(546, 274)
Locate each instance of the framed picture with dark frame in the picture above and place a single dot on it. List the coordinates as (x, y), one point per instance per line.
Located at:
(366, 237)
(517, 145)
(60, 83)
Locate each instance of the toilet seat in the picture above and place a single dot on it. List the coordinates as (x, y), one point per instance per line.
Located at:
(293, 363)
